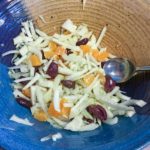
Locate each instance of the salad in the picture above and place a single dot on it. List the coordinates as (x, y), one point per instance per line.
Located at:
(60, 78)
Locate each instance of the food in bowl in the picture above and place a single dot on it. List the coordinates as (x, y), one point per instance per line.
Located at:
(61, 79)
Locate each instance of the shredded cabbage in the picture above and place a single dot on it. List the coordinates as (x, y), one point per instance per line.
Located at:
(54, 137)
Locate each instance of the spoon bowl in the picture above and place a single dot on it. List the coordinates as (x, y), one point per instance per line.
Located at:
(122, 69)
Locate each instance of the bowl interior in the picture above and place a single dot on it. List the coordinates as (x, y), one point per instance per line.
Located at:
(128, 36)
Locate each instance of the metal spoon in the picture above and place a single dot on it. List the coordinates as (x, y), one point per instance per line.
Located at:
(122, 69)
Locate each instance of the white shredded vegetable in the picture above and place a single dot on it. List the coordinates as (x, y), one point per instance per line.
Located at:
(46, 138)
(39, 95)
(101, 36)
(33, 95)
(56, 100)
(130, 113)
(34, 35)
(10, 52)
(23, 79)
(26, 28)
(24, 50)
(56, 136)
(17, 93)
(20, 120)
(84, 2)
(112, 121)
(68, 25)
(20, 60)
(34, 79)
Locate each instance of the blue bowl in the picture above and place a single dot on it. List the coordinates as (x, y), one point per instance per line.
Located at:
(129, 133)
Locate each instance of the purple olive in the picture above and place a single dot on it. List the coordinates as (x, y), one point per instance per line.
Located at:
(109, 84)
(52, 70)
(23, 102)
(68, 51)
(97, 111)
(88, 120)
(68, 83)
(82, 42)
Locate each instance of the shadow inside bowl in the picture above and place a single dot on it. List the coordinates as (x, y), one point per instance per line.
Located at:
(138, 88)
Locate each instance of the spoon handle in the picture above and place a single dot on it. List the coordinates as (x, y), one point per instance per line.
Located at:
(144, 68)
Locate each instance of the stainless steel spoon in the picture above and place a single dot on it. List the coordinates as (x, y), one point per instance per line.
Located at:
(122, 69)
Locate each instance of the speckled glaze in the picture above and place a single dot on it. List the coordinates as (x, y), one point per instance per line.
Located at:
(128, 134)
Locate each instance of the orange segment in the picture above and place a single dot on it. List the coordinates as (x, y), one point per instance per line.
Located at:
(27, 92)
(52, 111)
(95, 53)
(35, 61)
(60, 51)
(100, 56)
(52, 45)
(88, 79)
(65, 111)
(54, 50)
(40, 115)
(48, 54)
(103, 55)
(85, 48)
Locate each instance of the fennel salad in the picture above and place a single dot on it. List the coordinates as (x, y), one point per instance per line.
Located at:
(61, 79)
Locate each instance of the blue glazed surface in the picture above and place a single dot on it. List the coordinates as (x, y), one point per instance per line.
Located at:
(129, 133)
